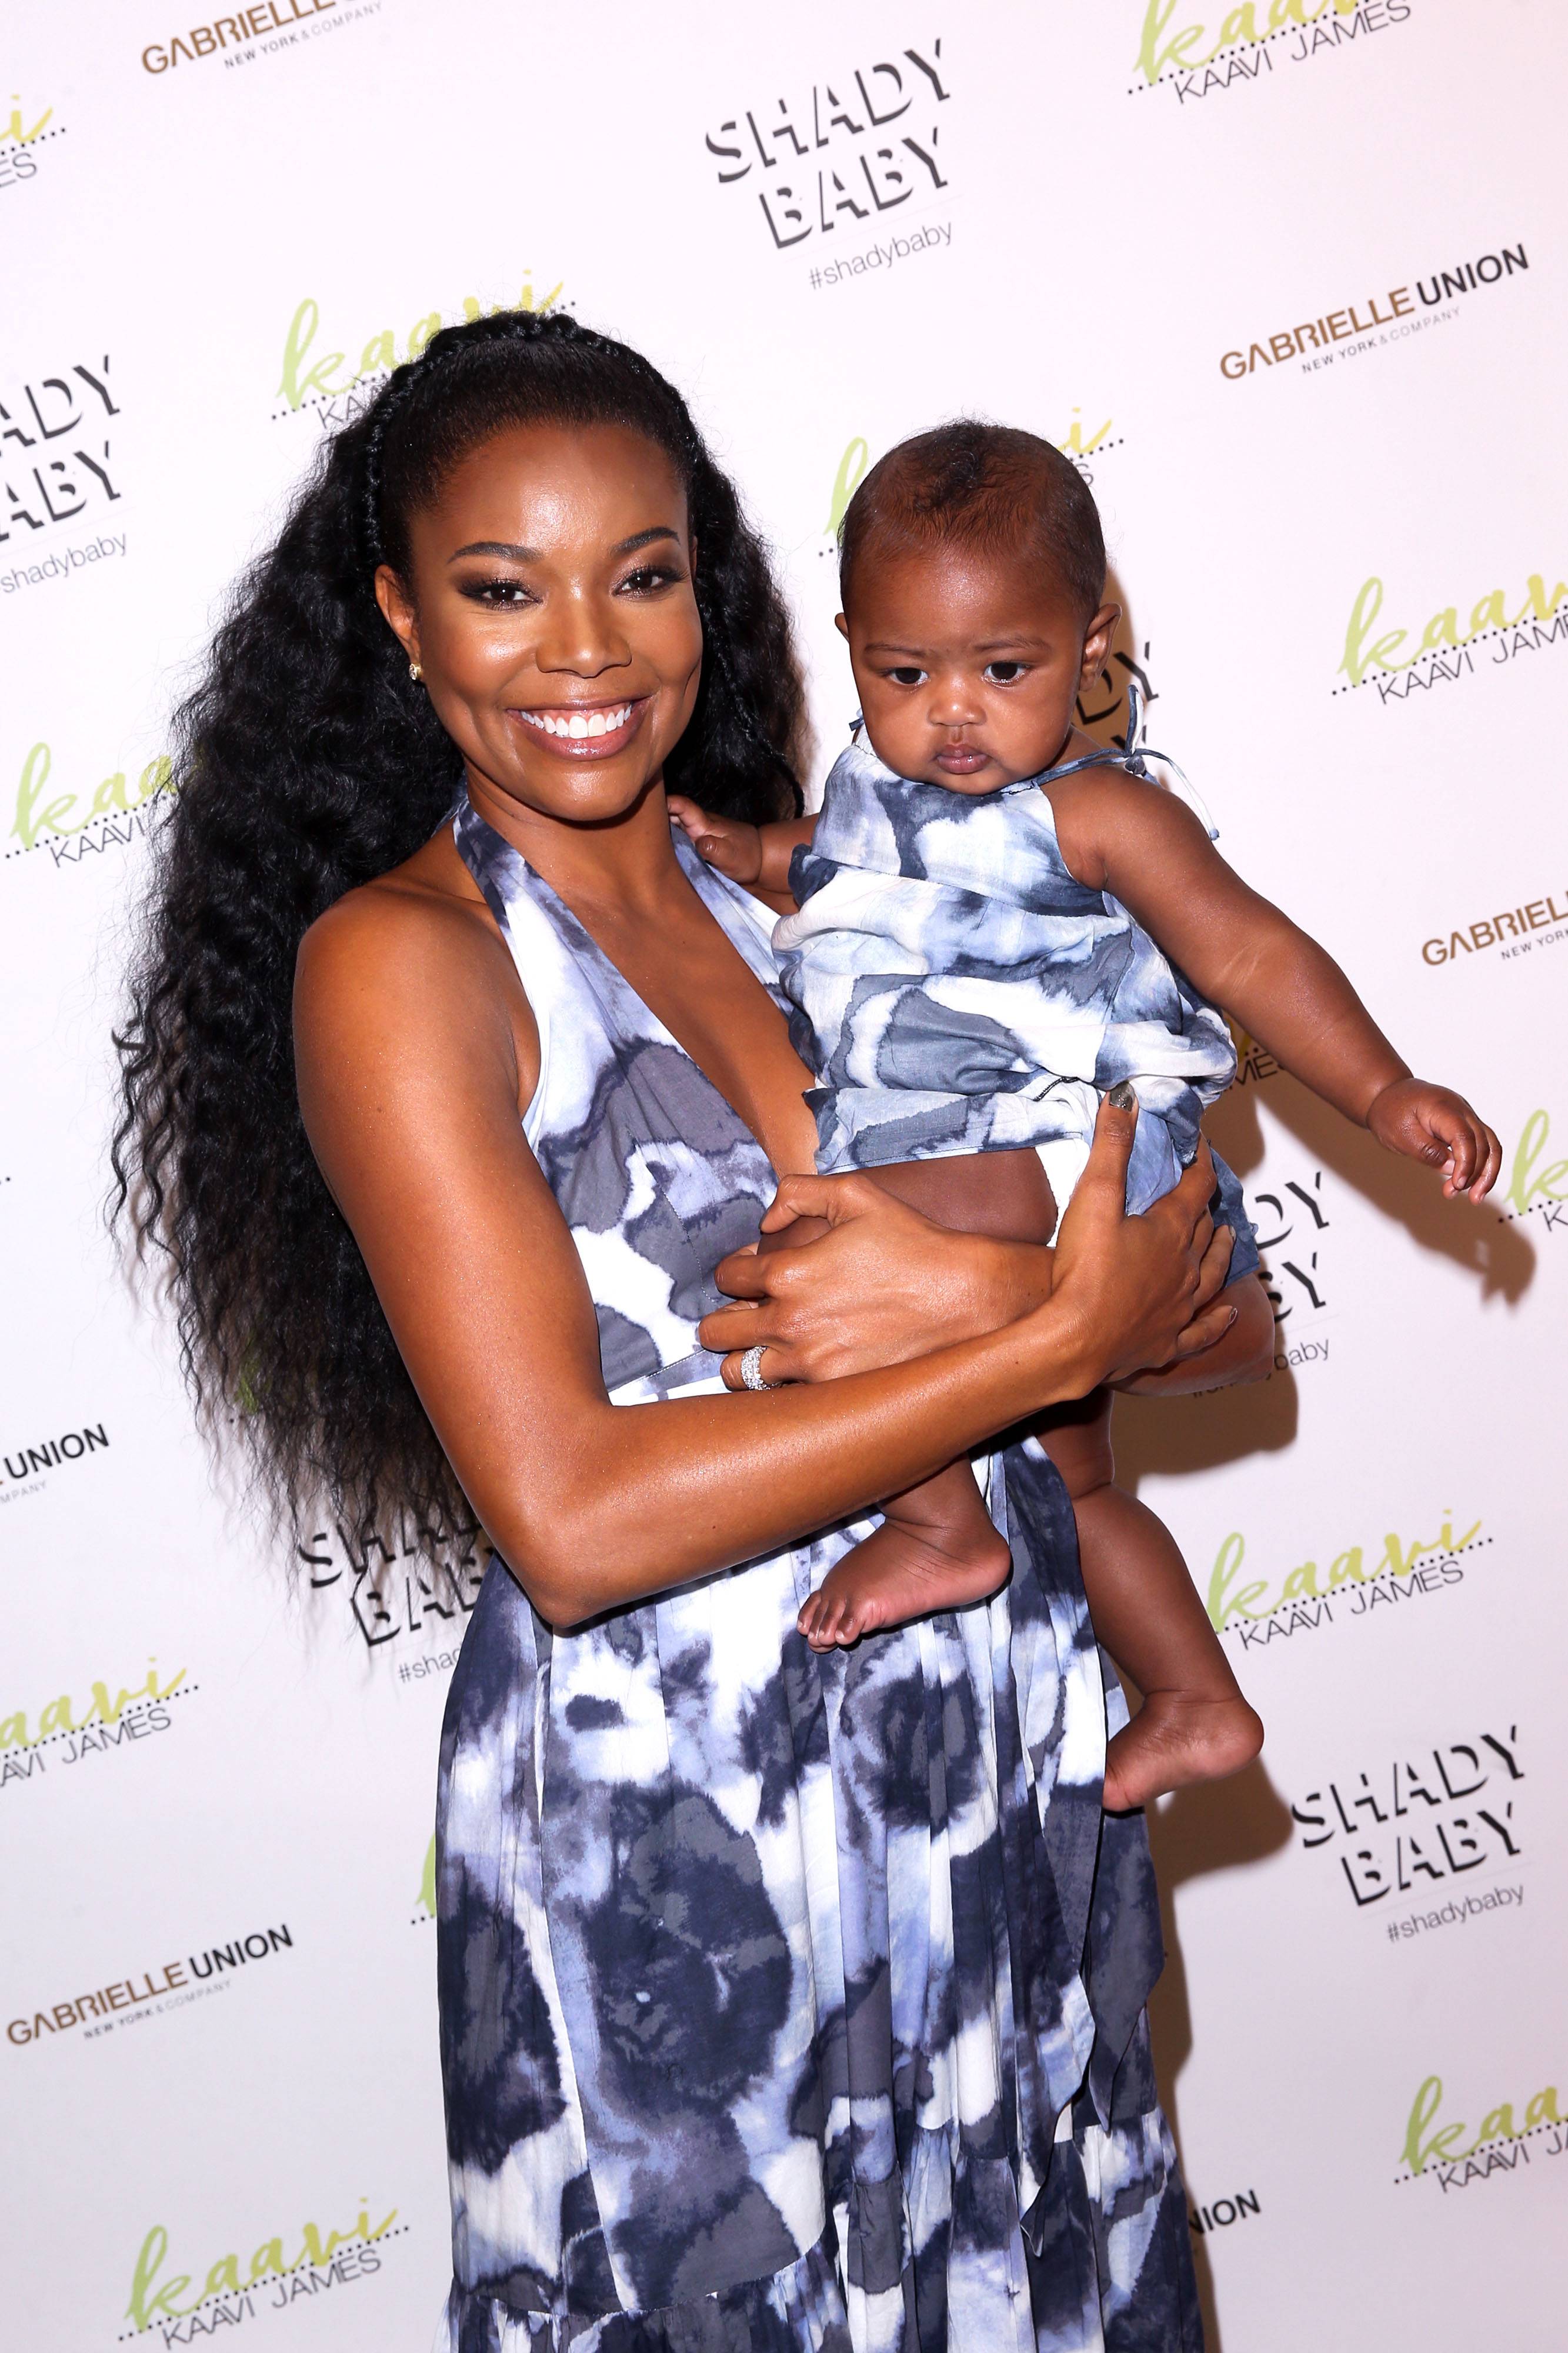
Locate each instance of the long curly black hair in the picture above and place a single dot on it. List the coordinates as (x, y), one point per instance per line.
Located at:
(305, 763)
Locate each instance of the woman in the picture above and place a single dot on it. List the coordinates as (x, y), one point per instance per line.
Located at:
(785, 2001)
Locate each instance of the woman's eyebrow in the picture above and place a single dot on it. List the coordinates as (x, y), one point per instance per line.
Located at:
(531, 555)
(497, 547)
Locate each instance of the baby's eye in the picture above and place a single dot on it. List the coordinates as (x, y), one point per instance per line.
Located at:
(907, 675)
(1003, 673)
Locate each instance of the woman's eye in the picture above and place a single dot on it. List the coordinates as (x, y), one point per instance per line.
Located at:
(498, 594)
(907, 675)
(1003, 673)
(647, 579)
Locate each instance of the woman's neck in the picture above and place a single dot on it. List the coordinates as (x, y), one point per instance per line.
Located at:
(626, 862)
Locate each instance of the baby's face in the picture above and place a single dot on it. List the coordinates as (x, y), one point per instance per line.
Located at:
(967, 665)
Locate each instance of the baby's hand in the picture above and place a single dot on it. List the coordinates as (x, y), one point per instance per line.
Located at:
(725, 842)
(1427, 1122)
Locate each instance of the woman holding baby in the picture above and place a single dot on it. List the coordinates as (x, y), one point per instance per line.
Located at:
(791, 1995)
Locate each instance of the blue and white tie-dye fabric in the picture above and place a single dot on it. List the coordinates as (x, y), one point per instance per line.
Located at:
(788, 2004)
(957, 990)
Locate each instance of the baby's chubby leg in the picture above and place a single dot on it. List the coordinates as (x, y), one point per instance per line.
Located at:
(1194, 1724)
(937, 1548)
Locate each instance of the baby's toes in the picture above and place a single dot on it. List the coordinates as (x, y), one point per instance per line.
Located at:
(848, 1623)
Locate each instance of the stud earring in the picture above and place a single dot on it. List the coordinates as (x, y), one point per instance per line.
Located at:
(414, 671)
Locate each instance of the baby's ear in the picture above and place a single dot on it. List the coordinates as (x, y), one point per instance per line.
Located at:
(841, 624)
(1097, 640)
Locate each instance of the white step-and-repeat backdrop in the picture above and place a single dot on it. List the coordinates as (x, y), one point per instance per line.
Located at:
(1288, 283)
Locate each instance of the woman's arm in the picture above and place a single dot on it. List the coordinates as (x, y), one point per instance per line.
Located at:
(408, 1083)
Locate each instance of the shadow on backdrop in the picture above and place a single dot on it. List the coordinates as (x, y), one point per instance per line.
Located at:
(1222, 1826)
(1227, 1825)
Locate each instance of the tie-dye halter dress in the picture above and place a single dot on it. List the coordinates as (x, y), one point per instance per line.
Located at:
(786, 2002)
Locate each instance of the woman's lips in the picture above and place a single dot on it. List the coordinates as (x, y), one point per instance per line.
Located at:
(584, 730)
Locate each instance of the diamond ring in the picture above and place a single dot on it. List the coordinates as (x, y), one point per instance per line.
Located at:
(752, 1371)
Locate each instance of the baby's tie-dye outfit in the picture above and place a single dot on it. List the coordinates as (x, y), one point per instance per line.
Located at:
(958, 990)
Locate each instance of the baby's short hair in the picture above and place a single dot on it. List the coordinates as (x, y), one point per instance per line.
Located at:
(989, 487)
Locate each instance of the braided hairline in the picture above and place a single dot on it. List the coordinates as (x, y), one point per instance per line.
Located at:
(532, 326)
(512, 326)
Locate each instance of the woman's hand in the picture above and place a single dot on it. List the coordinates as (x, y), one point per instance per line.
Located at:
(1144, 1290)
(885, 1284)
(1244, 1352)
(882, 1285)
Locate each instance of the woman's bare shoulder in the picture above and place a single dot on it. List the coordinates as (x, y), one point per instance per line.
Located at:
(413, 955)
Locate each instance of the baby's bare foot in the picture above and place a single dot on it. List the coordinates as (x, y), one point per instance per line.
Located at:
(1174, 1739)
(896, 1576)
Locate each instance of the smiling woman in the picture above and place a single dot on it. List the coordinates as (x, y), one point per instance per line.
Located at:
(786, 2001)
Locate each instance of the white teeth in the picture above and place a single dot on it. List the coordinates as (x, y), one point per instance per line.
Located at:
(597, 723)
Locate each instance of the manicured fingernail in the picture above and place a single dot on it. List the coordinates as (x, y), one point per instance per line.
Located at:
(1122, 1096)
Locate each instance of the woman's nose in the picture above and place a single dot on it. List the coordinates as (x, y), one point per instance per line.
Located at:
(582, 634)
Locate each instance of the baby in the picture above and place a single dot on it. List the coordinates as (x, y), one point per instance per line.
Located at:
(996, 923)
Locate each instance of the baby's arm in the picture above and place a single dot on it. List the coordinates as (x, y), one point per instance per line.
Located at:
(757, 856)
(1147, 848)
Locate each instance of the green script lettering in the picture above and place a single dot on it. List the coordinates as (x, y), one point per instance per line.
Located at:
(851, 465)
(1222, 1601)
(145, 2306)
(1526, 1182)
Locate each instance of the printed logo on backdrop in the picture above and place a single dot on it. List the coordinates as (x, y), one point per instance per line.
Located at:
(58, 472)
(329, 385)
(1440, 1825)
(1537, 1186)
(75, 821)
(1197, 57)
(1344, 334)
(1500, 627)
(233, 2289)
(425, 1902)
(1260, 1603)
(1512, 2137)
(173, 1986)
(25, 144)
(1204, 2221)
(856, 160)
(1290, 1221)
(27, 1471)
(1514, 932)
(411, 1593)
(61, 1733)
(251, 34)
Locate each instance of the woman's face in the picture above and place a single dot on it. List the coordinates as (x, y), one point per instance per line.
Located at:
(550, 608)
